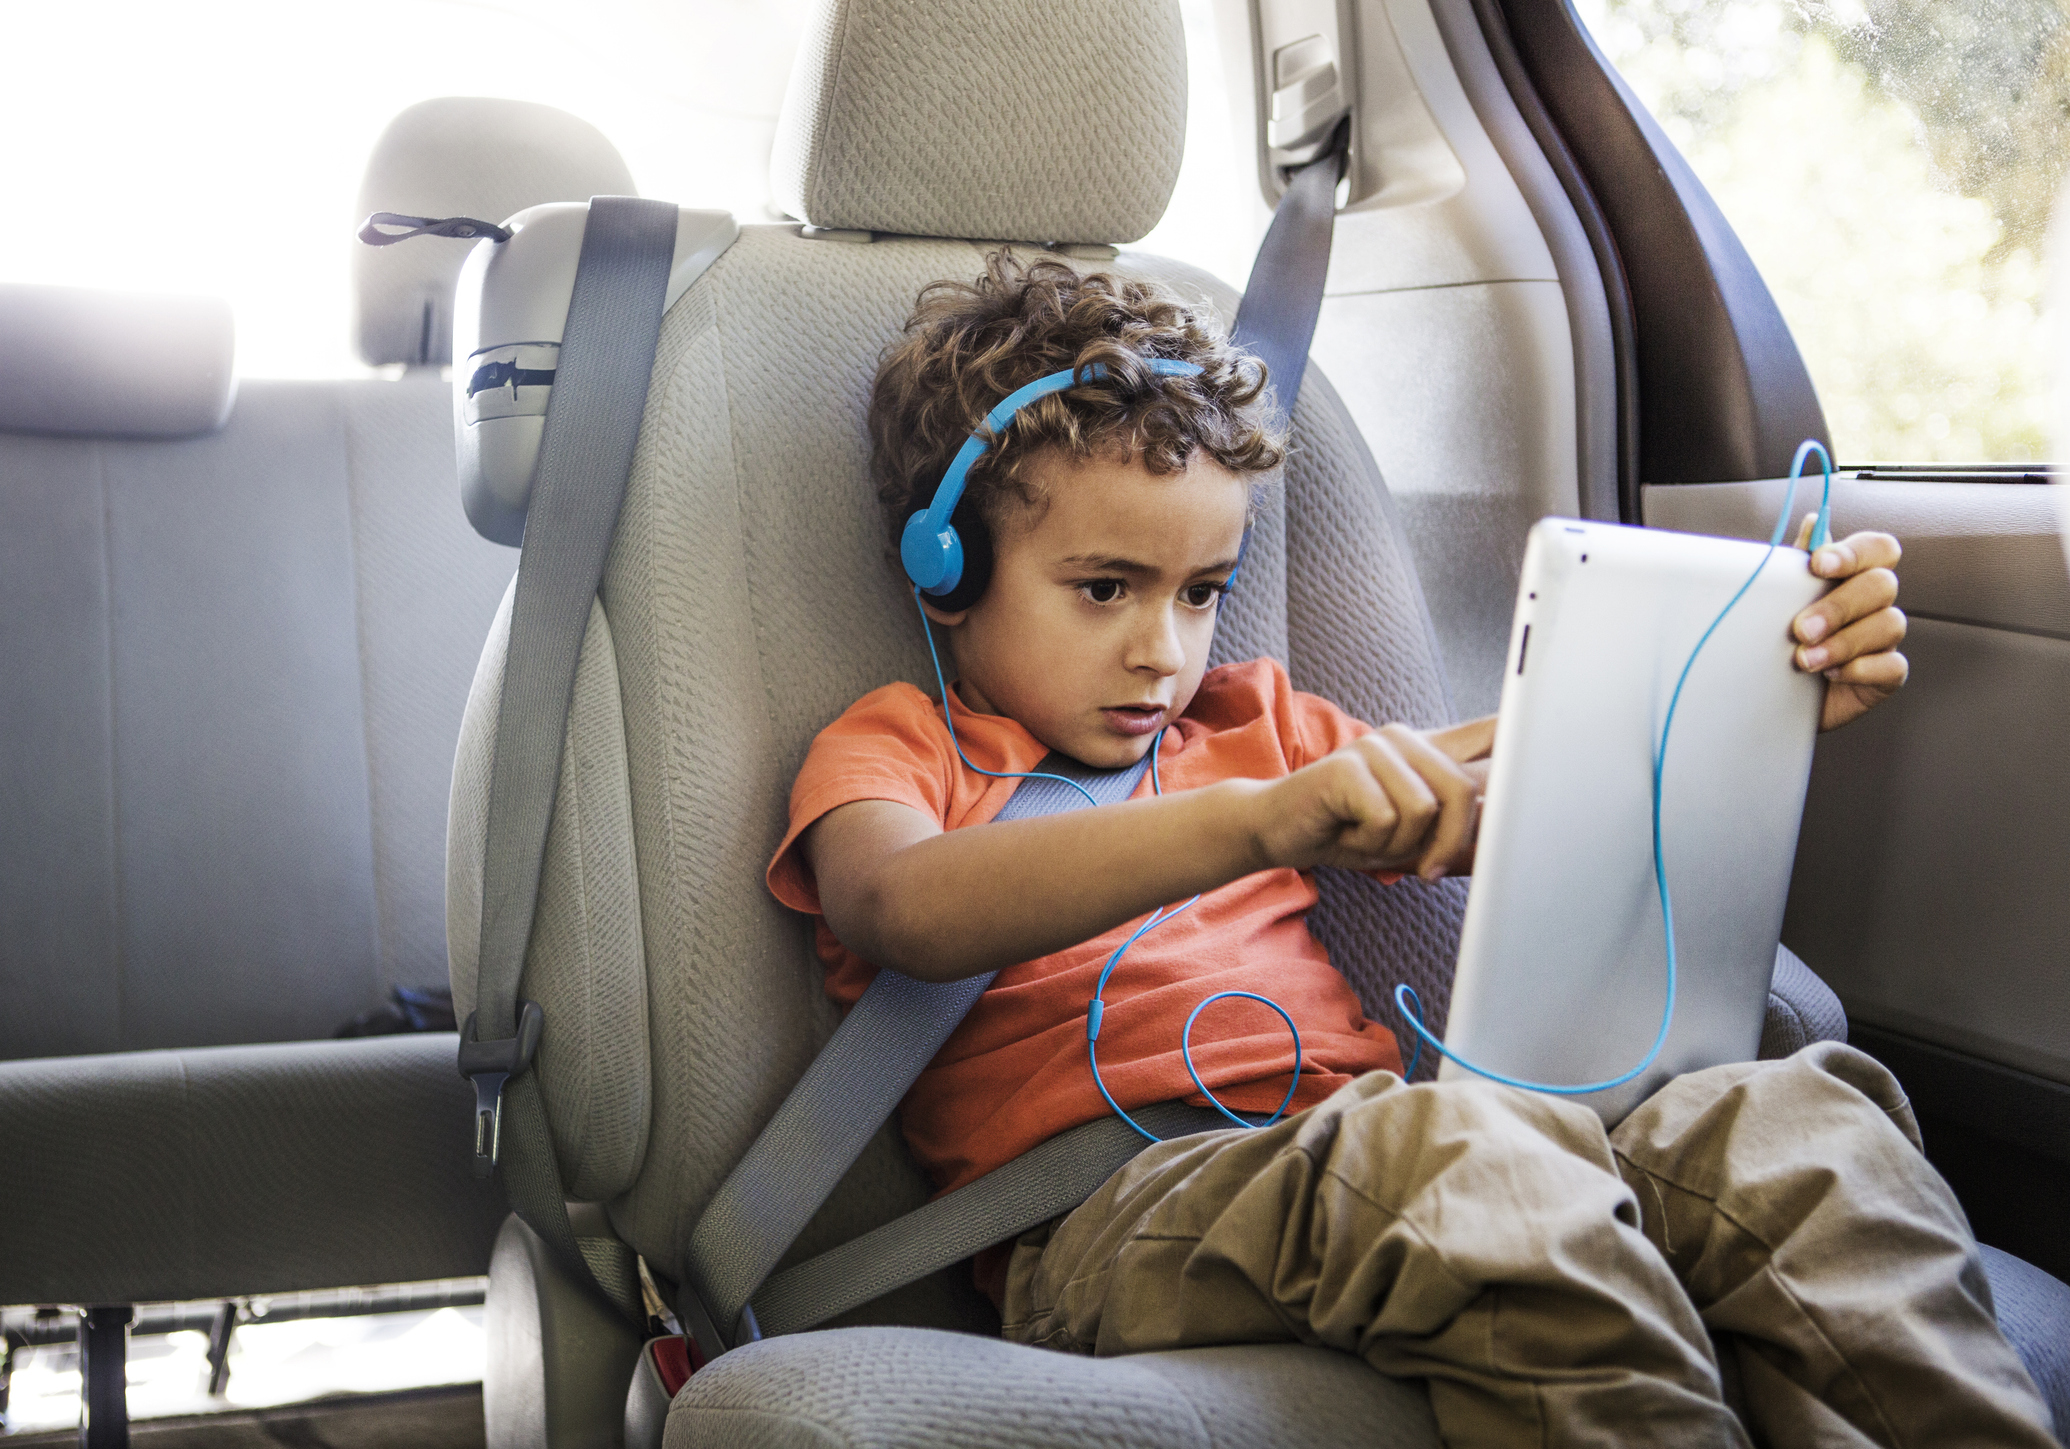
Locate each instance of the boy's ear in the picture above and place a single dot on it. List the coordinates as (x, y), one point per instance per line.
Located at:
(947, 618)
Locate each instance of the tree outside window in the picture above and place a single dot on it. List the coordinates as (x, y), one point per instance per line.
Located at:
(1890, 166)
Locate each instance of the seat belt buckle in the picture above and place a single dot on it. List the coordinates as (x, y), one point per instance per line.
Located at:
(490, 1065)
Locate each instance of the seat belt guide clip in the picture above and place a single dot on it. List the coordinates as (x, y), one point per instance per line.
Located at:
(490, 1065)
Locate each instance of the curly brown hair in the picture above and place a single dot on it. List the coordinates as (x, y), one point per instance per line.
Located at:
(969, 344)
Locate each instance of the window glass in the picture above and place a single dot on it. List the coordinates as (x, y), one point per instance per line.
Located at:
(217, 147)
(1889, 165)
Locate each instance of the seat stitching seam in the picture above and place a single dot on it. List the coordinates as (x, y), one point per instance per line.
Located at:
(584, 943)
(376, 861)
(826, 112)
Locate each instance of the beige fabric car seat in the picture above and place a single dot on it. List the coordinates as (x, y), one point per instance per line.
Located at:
(461, 156)
(747, 601)
(238, 626)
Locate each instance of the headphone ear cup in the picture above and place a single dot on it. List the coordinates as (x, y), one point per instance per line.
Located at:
(977, 559)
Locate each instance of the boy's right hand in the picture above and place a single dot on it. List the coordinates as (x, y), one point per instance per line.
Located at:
(1398, 799)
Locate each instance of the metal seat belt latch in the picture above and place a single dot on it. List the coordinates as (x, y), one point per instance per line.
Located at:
(490, 1065)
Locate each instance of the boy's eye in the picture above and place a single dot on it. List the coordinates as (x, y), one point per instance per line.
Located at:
(1201, 595)
(1102, 591)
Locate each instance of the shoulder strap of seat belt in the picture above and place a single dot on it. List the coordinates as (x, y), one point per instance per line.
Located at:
(849, 1091)
(1275, 322)
(585, 454)
(881, 1047)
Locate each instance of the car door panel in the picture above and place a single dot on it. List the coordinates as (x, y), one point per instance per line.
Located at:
(1931, 889)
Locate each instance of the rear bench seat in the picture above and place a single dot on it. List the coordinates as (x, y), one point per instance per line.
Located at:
(239, 638)
(240, 624)
(230, 684)
(221, 809)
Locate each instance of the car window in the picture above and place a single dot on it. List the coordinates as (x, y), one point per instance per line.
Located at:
(217, 147)
(1889, 165)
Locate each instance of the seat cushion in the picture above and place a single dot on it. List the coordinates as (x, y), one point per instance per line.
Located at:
(2034, 1315)
(141, 1177)
(920, 1387)
(1802, 1009)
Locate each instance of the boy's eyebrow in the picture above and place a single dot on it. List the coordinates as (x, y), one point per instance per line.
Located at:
(1128, 567)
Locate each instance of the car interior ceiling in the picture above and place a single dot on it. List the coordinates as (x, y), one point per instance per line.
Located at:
(245, 640)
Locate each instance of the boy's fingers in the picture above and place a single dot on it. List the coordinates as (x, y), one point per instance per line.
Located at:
(1415, 806)
(1879, 633)
(1804, 530)
(1885, 670)
(1858, 598)
(1448, 845)
(1857, 551)
(1473, 740)
(1858, 686)
(1365, 815)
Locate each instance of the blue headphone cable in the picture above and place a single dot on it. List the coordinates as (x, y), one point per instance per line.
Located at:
(949, 718)
(1405, 999)
(1097, 1008)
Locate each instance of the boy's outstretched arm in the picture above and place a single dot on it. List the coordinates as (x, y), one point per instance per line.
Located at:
(901, 892)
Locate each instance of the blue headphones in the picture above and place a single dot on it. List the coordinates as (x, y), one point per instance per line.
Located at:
(932, 548)
(939, 565)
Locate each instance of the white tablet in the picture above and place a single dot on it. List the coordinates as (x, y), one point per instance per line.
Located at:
(1562, 964)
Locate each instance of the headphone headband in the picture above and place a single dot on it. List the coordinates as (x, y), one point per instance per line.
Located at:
(930, 547)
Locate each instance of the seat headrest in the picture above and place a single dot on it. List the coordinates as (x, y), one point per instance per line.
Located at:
(113, 364)
(461, 156)
(1023, 120)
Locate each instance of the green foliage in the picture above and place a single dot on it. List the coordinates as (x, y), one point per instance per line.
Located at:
(1989, 82)
(1890, 167)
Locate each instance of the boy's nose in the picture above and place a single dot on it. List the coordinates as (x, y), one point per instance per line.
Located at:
(1156, 646)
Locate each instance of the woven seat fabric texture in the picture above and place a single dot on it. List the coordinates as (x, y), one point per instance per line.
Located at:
(920, 1389)
(1802, 1009)
(1039, 120)
(2034, 1315)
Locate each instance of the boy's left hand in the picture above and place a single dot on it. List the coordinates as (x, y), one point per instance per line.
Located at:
(1852, 634)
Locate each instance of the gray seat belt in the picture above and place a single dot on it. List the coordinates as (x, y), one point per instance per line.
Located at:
(1275, 321)
(1044, 1182)
(592, 425)
(881, 1047)
(851, 1088)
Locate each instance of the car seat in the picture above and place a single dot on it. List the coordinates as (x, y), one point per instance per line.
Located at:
(747, 601)
(461, 156)
(239, 625)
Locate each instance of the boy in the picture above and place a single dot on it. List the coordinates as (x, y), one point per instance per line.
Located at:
(1552, 1282)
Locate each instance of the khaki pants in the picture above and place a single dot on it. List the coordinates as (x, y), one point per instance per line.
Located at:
(1554, 1284)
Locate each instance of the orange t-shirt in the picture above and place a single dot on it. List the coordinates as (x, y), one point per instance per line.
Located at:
(1014, 1073)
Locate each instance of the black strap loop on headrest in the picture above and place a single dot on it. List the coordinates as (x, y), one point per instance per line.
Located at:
(461, 228)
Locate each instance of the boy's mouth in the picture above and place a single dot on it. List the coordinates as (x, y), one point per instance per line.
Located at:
(1134, 719)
